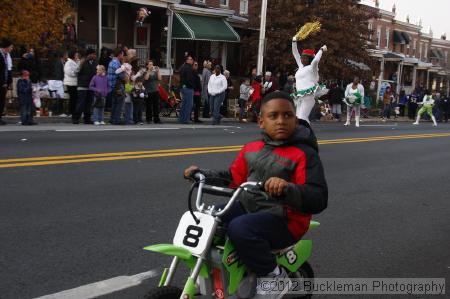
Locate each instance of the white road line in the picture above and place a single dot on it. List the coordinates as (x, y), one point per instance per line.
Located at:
(115, 129)
(104, 287)
(393, 125)
(138, 129)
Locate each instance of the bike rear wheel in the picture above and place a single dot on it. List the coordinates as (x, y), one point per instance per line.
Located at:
(168, 292)
(305, 272)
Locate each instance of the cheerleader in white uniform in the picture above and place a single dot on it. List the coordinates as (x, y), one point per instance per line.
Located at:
(354, 97)
(306, 79)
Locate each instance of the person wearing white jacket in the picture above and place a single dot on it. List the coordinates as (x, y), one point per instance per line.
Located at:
(354, 98)
(217, 86)
(71, 69)
(307, 80)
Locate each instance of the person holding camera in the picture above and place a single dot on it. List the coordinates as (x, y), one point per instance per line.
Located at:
(152, 77)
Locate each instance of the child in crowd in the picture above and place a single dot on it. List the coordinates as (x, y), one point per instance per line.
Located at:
(25, 94)
(128, 101)
(287, 160)
(139, 96)
(99, 85)
(245, 92)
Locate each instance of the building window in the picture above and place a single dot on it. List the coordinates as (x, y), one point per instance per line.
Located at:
(224, 3)
(243, 10)
(200, 1)
(387, 38)
(370, 31)
(378, 37)
(109, 24)
(446, 57)
(426, 53)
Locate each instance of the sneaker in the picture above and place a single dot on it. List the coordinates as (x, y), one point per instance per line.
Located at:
(347, 124)
(415, 123)
(96, 123)
(63, 115)
(102, 123)
(264, 294)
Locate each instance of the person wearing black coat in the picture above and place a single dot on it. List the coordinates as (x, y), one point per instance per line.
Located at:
(88, 69)
(31, 63)
(6, 47)
(445, 108)
(197, 93)
(187, 89)
(335, 96)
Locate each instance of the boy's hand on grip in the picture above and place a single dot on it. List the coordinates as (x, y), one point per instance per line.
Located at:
(275, 186)
(188, 172)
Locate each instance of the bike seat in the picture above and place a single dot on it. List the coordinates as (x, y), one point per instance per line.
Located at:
(312, 225)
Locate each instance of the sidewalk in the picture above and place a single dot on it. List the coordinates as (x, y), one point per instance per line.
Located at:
(15, 120)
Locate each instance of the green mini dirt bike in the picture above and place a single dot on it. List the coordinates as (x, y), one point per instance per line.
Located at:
(202, 244)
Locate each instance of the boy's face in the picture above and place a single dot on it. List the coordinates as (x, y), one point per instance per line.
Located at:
(278, 119)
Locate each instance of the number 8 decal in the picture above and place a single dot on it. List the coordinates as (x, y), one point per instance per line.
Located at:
(291, 257)
(193, 234)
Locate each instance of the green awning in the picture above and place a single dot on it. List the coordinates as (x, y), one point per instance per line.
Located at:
(406, 37)
(195, 27)
(399, 38)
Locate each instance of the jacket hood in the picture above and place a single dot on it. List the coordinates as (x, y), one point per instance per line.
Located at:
(303, 134)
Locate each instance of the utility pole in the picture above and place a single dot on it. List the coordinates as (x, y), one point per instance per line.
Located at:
(262, 38)
(100, 42)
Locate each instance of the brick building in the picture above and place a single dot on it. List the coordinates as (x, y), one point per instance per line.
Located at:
(408, 57)
(204, 28)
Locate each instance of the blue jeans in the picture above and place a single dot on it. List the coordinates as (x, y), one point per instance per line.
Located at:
(187, 95)
(242, 106)
(215, 103)
(255, 235)
(387, 111)
(98, 114)
(26, 113)
(129, 113)
(116, 108)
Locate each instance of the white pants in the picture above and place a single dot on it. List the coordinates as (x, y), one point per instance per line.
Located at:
(357, 109)
(304, 106)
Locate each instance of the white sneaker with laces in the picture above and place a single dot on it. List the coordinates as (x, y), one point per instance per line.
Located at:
(284, 284)
(96, 123)
(102, 123)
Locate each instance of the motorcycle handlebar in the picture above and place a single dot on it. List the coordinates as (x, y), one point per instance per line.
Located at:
(220, 191)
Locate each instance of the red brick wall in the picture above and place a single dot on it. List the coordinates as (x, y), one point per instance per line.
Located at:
(213, 3)
(88, 30)
(232, 4)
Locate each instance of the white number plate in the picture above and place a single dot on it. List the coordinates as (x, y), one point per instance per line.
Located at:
(192, 236)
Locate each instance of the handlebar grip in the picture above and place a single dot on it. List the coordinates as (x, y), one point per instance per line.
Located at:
(218, 191)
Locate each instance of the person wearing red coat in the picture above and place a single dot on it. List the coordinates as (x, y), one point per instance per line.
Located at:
(256, 97)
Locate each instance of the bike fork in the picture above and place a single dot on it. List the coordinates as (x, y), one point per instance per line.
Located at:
(172, 269)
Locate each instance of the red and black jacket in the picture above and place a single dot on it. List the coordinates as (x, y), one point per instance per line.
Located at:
(295, 160)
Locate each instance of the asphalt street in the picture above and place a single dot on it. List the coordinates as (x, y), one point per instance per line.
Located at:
(70, 224)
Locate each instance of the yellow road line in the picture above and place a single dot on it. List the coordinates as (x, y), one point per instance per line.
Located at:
(40, 163)
(58, 160)
(51, 158)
